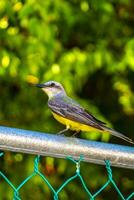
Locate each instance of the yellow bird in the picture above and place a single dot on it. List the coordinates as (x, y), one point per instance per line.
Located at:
(71, 114)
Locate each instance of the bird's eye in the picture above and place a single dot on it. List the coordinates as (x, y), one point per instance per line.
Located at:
(52, 84)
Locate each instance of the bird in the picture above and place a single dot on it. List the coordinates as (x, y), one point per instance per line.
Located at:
(70, 113)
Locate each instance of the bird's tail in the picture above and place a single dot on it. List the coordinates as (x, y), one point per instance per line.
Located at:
(119, 135)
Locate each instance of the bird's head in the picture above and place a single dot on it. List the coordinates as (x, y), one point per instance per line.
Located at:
(52, 88)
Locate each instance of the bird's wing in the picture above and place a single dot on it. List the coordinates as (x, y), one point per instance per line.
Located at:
(69, 109)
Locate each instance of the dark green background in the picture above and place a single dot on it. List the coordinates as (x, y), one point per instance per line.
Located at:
(88, 46)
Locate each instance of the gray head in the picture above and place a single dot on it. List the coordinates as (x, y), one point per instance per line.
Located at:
(52, 88)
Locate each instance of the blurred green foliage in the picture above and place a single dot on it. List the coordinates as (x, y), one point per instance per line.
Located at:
(88, 46)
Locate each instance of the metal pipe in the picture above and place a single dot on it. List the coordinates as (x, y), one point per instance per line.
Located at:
(33, 142)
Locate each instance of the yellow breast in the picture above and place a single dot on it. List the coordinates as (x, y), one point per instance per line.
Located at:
(76, 126)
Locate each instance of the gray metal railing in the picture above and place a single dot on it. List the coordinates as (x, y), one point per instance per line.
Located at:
(33, 142)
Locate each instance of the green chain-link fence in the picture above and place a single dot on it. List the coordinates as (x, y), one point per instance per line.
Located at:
(64, 184)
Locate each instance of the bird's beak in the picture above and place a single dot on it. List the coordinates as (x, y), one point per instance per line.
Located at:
(40, 85)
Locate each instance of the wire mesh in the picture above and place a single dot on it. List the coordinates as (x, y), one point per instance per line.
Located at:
(16, 195)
